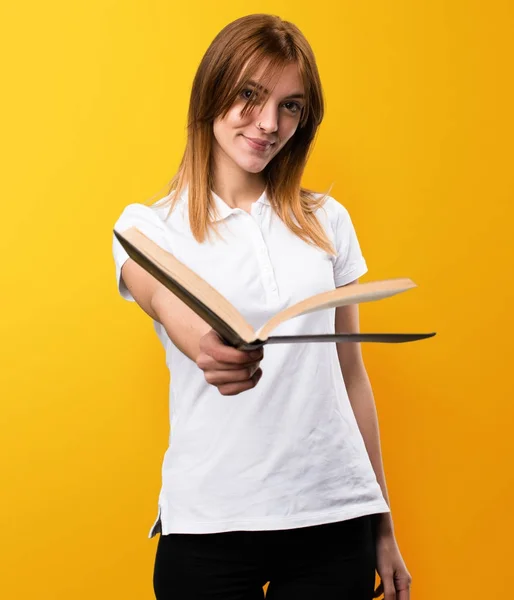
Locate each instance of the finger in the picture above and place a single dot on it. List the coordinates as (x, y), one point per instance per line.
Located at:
(225, 355)
(402, 581)
(208, 363)
(215, 347)
(404, 594)
(389, 589)
(220, 377)
(231, 389)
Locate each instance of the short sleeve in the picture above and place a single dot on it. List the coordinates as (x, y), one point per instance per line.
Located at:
(349, 264)
(148, 221)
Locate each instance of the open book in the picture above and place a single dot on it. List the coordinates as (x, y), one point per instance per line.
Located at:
(228, 322)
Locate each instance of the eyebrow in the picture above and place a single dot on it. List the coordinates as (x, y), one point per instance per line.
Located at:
(259, 87)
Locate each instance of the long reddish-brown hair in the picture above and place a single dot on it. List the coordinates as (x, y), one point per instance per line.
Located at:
(219, 81)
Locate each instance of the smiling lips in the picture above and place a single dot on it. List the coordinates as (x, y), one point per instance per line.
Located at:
(258, 144)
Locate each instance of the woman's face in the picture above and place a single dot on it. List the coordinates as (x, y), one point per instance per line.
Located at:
(250, 142)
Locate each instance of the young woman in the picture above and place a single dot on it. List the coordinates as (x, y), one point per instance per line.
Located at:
(273, 470)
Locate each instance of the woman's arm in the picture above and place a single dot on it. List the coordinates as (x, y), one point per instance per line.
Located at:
(184, 327)
(232, 371)
(361, 398)
(396, 579)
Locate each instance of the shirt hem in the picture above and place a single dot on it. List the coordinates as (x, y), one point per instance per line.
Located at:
(185, 526)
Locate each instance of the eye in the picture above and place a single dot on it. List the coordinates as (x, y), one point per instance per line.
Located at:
(248, 94)
(293, 107)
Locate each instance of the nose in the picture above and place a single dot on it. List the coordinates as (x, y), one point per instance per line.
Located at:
(268, 118)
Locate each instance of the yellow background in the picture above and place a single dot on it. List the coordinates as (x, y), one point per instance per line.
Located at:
(418, 140)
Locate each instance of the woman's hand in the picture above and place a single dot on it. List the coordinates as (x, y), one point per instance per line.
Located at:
(396, 580)
(232, 371)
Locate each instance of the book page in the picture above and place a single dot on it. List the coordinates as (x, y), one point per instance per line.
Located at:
(351, 294)
(195, 290)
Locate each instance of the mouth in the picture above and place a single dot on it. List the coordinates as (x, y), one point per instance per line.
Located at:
(258, 144)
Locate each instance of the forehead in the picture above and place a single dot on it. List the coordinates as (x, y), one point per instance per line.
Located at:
(287, 80)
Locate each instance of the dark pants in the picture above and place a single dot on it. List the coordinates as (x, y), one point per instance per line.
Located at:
(323, 562)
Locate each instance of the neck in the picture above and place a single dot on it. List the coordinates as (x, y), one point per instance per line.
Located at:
(236, 187)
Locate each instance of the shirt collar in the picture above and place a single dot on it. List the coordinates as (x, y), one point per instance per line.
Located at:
(223, 210)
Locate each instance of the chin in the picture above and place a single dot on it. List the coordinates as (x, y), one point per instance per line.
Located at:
(255, 170)
(252, 167)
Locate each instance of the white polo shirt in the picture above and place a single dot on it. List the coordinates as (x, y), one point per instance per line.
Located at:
(289, 452)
